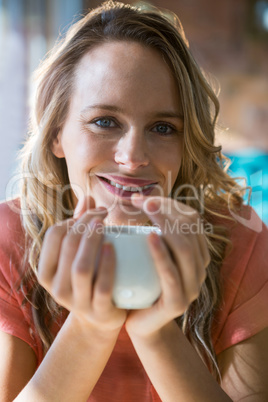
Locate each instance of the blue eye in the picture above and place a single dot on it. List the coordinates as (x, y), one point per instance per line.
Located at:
(164, 129)
(105, 122)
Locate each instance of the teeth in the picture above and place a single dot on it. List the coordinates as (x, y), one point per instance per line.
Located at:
(126, 188)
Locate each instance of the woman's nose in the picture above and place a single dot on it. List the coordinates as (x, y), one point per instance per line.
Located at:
(131, 150)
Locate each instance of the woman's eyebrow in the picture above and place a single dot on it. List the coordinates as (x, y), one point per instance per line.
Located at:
(113, 108)
(168, 114)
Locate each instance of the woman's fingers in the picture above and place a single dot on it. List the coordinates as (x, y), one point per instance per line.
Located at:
(104, 283)
(85, 263)
(49, 256)
(61, 287)
(189, 258)
(170, 277)
(60, 246)
(183, 236)
(78, 270)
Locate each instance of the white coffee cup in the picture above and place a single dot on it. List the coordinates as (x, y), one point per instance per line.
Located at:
(137, 285)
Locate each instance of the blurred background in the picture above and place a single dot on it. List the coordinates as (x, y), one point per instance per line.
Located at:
(228, 38)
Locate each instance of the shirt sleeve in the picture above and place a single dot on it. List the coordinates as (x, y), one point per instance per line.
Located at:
(15, 314)
(245, 286)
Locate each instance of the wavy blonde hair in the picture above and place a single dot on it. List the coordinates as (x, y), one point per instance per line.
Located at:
(46, 190)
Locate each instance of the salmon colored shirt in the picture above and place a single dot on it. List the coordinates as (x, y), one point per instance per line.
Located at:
(243, 312)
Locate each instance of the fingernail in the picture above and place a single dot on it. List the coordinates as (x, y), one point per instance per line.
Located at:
(152, 206)
(155, 239)
(107, 249)
(96, 222)
(137, 197)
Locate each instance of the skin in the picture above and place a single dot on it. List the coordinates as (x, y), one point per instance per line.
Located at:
(68, 257)
(134, 90)
(141, 88)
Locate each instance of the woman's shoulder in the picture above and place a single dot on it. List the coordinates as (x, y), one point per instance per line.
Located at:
(248, 235)
(11, 232)
(243, 225)
(10, 208)
(248, 221)
(247, 231)
(244, 278)
(245, 268)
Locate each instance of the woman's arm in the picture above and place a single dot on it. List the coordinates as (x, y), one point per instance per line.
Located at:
(78, 271)
(172, 364)
(175, 369)
(244, 369)
(17, 366)
(68, 372)
(72, 365)
(181, 258)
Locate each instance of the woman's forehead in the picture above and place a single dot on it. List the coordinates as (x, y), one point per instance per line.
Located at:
(115, 54)
(120, 69)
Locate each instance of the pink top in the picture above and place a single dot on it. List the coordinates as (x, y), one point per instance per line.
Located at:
(244, 276)
(243, 312)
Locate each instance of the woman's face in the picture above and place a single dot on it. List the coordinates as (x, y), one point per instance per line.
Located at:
(124, 130)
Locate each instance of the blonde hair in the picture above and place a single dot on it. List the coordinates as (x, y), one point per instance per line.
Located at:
(47, 192)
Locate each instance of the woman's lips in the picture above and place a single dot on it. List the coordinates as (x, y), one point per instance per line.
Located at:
(128, 181)
(120, 192)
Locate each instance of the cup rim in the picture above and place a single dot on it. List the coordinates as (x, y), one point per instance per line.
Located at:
(131, 229)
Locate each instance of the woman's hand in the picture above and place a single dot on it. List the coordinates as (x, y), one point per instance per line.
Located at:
(180, 256)
(78, 270)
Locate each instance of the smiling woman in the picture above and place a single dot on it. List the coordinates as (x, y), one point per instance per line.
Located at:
(125, 131)
(123, 134)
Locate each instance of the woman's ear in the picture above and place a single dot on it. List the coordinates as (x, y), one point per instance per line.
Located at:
(56, 146)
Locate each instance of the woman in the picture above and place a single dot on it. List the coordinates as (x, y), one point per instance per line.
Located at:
(123, 130)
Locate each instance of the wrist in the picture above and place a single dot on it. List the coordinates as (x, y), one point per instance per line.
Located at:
(86, 329)
(167, 331)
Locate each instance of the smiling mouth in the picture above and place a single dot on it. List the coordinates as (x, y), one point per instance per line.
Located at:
(124, 190)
